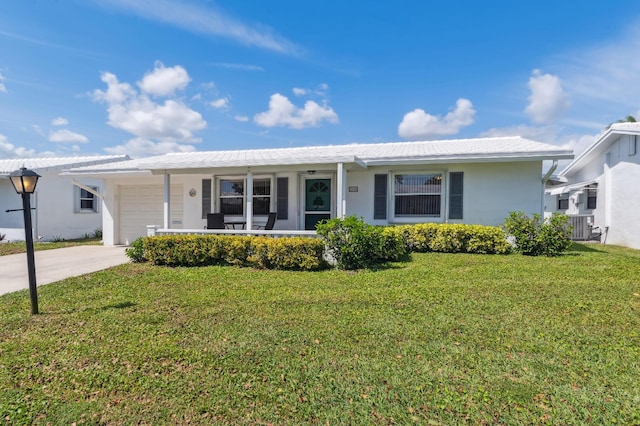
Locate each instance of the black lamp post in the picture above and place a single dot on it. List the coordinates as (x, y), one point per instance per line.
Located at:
(24, 181)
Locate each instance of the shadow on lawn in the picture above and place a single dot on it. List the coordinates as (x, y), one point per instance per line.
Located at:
(578, 248)
(122, 305)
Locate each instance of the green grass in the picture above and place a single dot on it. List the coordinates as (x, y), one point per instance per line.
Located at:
(443, 339)
(20, 247)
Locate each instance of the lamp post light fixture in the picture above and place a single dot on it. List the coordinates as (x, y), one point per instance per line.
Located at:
(24, 181)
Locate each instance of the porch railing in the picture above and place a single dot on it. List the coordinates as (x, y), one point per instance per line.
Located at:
(582, 227)
(151, 231)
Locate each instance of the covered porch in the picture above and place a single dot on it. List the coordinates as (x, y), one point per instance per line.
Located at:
(177, 201)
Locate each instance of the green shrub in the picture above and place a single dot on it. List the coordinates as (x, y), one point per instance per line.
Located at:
(352, 243)
(296, 253)
(136, 251)
(534, 236)
(261, 252)
(421, 236)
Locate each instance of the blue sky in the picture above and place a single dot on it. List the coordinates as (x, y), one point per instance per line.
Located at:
(146, 77)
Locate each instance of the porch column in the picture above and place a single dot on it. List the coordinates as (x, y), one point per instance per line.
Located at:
(341, 193)
(167, 197)
(249, 192)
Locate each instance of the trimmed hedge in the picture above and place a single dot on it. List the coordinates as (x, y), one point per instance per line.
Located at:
(355, 244)
(350, 242)
(295, 253)
(454, 238)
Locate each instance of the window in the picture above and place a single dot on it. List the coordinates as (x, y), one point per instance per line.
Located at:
(592, 197)
(563, 202)
(232, 196)
(85, 201)
(418, 195)
(633, 145)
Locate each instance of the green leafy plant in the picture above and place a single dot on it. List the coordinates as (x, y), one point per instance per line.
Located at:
(535, 236)
(136, 251)
(302, 254)
(354, 244)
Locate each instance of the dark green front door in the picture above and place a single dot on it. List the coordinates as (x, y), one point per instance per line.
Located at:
(317, 202)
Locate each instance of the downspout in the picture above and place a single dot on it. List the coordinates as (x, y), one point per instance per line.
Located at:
(545, 179)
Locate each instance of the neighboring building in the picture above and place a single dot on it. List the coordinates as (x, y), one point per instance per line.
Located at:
(600, 189)
(476, 181)
(60, 208)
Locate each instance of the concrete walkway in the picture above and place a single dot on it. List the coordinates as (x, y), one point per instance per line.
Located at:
(56, 265)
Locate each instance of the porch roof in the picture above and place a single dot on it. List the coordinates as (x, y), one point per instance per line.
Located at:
(565, 189)
(361, 155)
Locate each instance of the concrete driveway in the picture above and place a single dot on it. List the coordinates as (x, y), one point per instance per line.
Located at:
(56, 265)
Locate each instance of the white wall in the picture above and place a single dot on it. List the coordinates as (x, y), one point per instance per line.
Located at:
(53, 200)
(491, 191)
(623, 214)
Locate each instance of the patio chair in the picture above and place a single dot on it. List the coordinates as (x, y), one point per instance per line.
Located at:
(215, 221)
(271, 221)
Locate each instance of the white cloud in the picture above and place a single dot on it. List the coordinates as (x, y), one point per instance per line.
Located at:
(547, 134)
(140, 147)
(551, 134)
(547, 101)
(209, 85)
(169, 121)
(418, 124)
(3, 88)
(222, 103)
(196, 97)
(67, 136)
(38, 130)
(321, 91)
(59, 121)
(241, 118)
(285, 114)
(9, 150)
(206, 20)
(243, 67)
(163, 81)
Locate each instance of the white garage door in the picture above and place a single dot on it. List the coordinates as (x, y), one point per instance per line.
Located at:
(143, 205)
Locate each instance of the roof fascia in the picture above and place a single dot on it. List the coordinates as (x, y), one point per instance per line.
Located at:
(601, 143)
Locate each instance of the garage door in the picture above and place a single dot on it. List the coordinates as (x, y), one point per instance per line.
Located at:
(143, 205)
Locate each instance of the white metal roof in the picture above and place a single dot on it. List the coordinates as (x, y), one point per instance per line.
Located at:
(480, 149)
(9, 165)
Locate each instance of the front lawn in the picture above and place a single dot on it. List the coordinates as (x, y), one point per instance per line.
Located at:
(443, 339)
(16, 247)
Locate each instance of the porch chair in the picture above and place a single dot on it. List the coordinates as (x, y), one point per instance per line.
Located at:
(271, 221)
(215, 221)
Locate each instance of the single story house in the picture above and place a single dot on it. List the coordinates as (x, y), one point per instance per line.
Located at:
(599, 190)
(475, 181)
(60, 207)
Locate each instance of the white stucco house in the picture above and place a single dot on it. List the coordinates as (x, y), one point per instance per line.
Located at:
(600, 189)
(475, 181)
(60, 208)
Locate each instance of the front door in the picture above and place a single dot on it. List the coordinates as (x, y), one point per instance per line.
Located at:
(317, 202)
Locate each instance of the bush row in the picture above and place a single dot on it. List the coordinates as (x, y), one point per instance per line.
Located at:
(351, 243)
(295, 253)
(354, 244)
